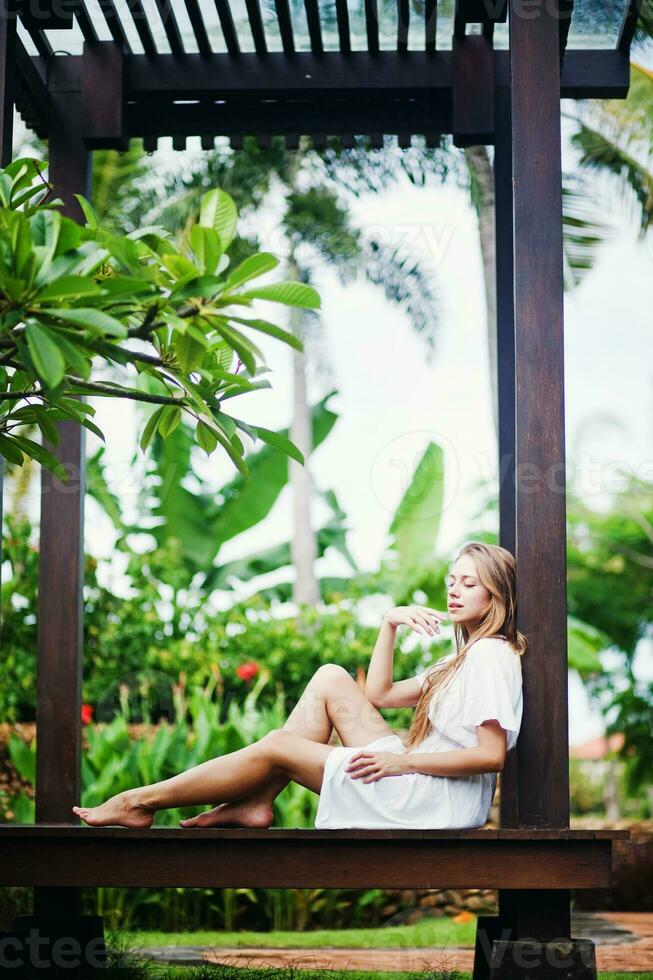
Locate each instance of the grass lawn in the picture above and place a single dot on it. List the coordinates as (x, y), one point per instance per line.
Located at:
(428, 932)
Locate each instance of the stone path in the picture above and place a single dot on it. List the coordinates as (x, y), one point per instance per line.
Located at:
(624, 941)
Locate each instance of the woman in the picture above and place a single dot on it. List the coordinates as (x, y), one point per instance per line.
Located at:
(468, 715)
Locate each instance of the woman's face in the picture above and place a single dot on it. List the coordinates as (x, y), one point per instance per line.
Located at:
(467, 597)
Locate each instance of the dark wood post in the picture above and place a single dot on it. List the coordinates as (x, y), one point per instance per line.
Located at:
(7, 98)
(61, 580)
(506, 378)
(540, 477)
(540, 424)
(60, 630)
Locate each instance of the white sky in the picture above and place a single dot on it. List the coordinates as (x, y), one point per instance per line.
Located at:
(391, 402)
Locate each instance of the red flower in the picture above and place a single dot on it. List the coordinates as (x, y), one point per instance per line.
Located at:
(247, 670)
(87, 714)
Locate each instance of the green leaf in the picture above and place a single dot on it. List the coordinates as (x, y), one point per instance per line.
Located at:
(72, 352)
(42, 456)
(250, 268)
(206, 439)
(246, 350)
(170, 419)
(67, 286)
(48, 359)
(10, 451)
(96, 321)
(272, 329)
(150, 428)
(218, 211)
(206, 245)
(278, 441)
(92, 220)
(416, 522)
(288, 293)
(188, 352)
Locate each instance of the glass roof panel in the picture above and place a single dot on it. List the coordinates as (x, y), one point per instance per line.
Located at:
(596, 23)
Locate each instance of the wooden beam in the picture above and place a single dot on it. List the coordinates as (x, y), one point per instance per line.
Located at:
(586, 74)
(473, 91)
(103, 97)
(540, 422)
(222, 858)
(271, 119)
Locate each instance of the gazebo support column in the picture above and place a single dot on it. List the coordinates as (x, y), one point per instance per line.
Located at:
(7, 98)
(60, 607)
(539, 922)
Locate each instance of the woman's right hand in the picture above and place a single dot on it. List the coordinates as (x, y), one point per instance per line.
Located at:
(421, 619)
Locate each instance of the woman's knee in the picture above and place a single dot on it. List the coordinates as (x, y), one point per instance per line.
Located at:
(330, 673)
(276, 746)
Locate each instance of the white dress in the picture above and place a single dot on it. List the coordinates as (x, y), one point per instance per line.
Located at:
(487, 685)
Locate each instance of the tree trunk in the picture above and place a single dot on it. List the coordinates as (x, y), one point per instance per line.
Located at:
(482, 178)
(306, 590)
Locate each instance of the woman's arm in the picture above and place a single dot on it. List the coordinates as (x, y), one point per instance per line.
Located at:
(488, 756)
(379, 673)
(379, 682)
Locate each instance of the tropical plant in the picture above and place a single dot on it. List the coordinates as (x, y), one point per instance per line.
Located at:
(163, 630)
(73, 294)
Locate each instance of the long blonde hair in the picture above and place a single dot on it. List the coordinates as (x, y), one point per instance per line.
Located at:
(496, 568)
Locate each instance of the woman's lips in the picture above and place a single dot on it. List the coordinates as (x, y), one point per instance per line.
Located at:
(454, 605)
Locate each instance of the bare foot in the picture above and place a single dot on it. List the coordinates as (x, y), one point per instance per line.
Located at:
(122, 810)
(243, 814)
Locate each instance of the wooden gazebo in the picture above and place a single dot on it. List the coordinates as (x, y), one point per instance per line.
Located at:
(489, 73)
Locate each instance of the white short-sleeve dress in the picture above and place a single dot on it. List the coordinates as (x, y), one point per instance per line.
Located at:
(488, 685)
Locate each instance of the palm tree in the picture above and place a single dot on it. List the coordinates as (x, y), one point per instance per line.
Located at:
(315, 190)
(615, 139)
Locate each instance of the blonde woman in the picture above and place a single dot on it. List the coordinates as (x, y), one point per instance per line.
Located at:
(442, 775)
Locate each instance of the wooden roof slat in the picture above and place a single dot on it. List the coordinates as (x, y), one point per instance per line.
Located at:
(170, 26)
(403, 19)
(566, 10)
(39, 39)
(227, 26)
(430, 24)
(256, 26)
(628, 25)
(314, 26)
(86, 24)
(199, 27)
(372, 25)
(285, 26)
(114, 23)
(342, 17)
(142, 25)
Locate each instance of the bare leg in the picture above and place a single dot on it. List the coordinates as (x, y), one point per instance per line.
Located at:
(330, 697)
(229, 777)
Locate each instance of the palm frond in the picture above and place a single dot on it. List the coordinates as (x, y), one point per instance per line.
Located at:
(406, 282)
(583, 232)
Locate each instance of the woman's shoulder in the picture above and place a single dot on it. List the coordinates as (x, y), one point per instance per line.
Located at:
(497, 645)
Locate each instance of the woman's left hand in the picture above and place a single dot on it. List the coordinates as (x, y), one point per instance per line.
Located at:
(371, 766)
